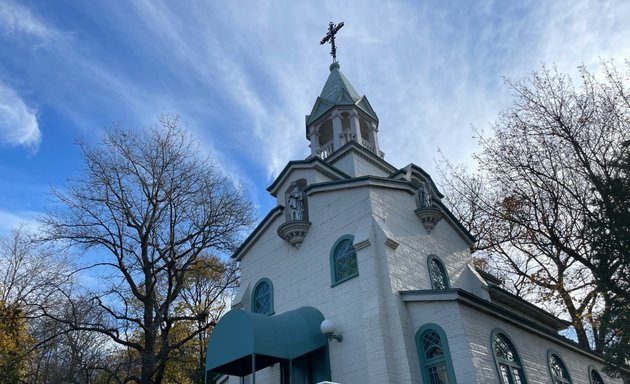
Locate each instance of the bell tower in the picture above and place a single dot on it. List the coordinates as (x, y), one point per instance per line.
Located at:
(339, 116)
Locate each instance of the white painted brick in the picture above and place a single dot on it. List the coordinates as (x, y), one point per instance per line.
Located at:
(378, 327)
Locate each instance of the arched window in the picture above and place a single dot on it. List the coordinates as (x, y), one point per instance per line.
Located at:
(437, 273)
(262, 297)
(595, 377)
(435, 358)
(343, 260)
(559, 372)
(506, 358)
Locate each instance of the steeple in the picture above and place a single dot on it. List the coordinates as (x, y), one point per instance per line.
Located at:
(339, 116)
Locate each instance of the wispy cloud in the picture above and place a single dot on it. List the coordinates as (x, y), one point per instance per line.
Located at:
(583, 32)
(242, 75)
(18, 122)
(10, 220)
(19, 20)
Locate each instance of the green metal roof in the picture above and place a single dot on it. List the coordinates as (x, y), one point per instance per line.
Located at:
(240, 334)
(338, 91)
(337, 87)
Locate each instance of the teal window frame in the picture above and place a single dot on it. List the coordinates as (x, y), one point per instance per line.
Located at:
(553, 356)
(428, 362)
(335, 257)
(431, 260)
(258, 284)
(515, 364)
(594, 377)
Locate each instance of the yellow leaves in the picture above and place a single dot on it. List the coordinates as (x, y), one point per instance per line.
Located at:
(15, 343)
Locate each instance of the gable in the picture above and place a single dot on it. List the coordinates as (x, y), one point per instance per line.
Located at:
(317, 169)
(365, 106)
(321, 107)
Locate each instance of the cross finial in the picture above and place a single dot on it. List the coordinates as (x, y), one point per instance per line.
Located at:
(330, 37)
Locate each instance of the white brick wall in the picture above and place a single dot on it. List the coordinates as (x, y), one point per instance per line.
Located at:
(533, 351)
(378, 328)
(469, 337)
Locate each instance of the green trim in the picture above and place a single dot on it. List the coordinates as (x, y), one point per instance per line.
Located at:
(333, 261)
(320, 108)
(263, 280)
(249, 240)
(517, 359)
(460, 296)
(455, 222)
(311, 163)
(401, 173)
(439, 261)
(446, 359)
(500, 296)
(490, 279)
(551, 353)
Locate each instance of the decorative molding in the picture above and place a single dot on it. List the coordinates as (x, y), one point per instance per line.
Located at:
(294, 232)
(429, 217)
(361, 244)
(496, 311)
(264, 224)
(313, 163)
(363, 153)
(393, 244)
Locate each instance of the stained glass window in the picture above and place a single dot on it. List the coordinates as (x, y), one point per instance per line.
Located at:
(344, 260)
(437, 273)
(559, 373)
(596, 378)
(508, 362)
(435, 360)
(262, 297)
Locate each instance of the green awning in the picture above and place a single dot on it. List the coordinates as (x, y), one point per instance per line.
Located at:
(241, 337)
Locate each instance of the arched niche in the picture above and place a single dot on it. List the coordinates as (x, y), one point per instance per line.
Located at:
(296, 223)
(295, 201)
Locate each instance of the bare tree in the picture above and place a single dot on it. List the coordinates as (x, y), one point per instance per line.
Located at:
(65, 354)
(542, 176)
(31, 274)
(32, 279)
(146, 207)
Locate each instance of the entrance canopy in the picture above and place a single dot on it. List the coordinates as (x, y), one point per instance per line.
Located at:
(243, 342)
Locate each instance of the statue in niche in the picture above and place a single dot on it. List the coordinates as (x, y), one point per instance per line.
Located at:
(424, 195)
(296, 203)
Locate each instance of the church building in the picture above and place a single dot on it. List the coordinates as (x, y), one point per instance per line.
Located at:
(361, 274)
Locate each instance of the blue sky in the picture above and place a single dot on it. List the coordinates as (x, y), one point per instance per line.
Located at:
(242, 75)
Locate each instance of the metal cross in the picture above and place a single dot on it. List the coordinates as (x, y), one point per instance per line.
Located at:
(330, 37)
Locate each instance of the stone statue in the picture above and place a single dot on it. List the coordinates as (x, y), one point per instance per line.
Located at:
(425, 196)
(296, 203)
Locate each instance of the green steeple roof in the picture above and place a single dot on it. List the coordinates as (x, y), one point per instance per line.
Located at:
(338, 91)
(337, 86)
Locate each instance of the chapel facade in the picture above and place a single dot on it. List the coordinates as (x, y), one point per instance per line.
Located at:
(360, 274)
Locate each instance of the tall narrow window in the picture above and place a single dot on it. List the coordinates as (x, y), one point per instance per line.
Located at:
(343, 260)
(507, 360)
(437, 273)
(596, 378)
(435, 358)
(262, 297)
(559, 372)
